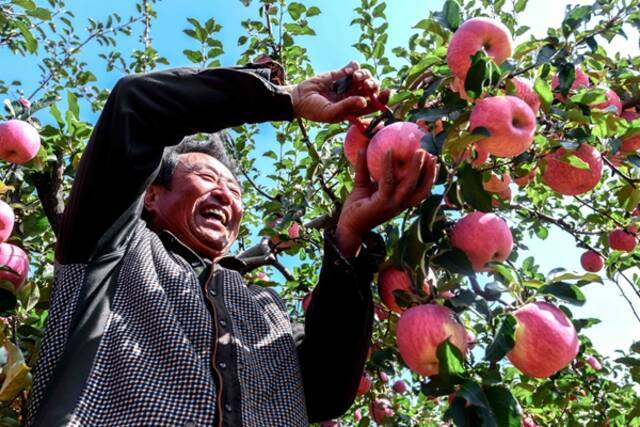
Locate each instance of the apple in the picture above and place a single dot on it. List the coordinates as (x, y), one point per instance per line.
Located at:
(502, 197)
(380, 410)
(525, 91)
(15, 258)
(293, 232)
(510, 122)
(392, 279)
(581, 80)
(529, 422)
(623, 239)
(7, 218)
(630, 114)
(496, 184)
(471, 338)
(399, 387)
(354, 141)
(365, 383)
(630, 144)
(421, 329)
(383, 376)
(592, 261)
(403, 139)
(357, 415)
(525, 179)
(612, 104)
(330, 423)
(19, 141)
(569, 180)
(545, 340)
(594, 363)
(483, 237)
(478, 34)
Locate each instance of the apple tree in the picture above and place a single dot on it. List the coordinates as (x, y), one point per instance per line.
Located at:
(526, 137)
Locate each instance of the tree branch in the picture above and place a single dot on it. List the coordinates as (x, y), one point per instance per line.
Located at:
(49, 186)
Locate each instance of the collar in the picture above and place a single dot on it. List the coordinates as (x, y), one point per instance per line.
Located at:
(198, 263)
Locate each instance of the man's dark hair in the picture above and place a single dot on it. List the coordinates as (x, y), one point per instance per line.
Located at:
(213, 144)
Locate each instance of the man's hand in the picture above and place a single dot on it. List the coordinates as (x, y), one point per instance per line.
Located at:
(315, 99)
(367, 206)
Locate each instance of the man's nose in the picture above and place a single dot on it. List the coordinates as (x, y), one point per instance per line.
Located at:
(223, 194)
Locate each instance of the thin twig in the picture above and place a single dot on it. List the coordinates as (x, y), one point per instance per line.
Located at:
(617, 171)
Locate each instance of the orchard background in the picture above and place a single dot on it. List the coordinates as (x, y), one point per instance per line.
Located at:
(59, 60)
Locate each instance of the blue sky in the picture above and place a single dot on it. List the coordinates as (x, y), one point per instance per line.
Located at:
(332, 49)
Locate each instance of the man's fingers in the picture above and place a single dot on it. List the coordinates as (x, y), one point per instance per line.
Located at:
(362, 172)
(407, 186)
(348, 106)
(427, 177)
(347, 70)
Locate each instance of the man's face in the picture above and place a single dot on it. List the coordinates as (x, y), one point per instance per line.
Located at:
(203, 206)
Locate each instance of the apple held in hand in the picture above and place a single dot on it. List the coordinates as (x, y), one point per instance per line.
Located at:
(421, 329)
(19, 141)
(545, 340)
(623, 239)
(16, 259)
(570, 180)
(591, 261)
(354, 141)
(403, 139)
(7, 219)
(483, 237)
(510, 122)
(478, 34)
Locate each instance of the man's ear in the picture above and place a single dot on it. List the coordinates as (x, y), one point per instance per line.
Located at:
(151, 199)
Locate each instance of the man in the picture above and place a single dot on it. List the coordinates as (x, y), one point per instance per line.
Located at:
(146, 326)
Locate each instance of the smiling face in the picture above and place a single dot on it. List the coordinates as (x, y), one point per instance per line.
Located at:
(202, 206)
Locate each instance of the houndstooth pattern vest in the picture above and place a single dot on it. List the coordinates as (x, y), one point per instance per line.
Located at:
(153, 365)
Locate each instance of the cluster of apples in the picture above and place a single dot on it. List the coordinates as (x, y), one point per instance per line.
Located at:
(19, 143)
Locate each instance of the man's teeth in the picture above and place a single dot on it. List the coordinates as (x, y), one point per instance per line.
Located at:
(215, 213)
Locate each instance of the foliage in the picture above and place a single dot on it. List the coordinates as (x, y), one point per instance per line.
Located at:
(310, 176)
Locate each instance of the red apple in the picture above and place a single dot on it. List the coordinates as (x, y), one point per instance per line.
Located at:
(354, 141)
(623, 239)
(471, 338)
(630, 144)
(421, 329)
(357, 415)
(594, 363)
(399, 387)
(591, 261)
(365, 383)
(529, 422)
(483, 237)
(383, 376)
(570, 180)
(510, 122)
(581, 80)
(7, 219)
(497, 184)
(525, 91)
(478, 34)
(525, 179)
(19, 141)
(612, 104)
(293, 232)
(13, 257)
(545, 340)
(403, 139)
(392, 279)
(380, 410)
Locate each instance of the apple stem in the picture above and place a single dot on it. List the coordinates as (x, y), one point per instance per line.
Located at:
(358, 124)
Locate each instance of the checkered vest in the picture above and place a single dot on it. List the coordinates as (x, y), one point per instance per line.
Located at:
(154, 361)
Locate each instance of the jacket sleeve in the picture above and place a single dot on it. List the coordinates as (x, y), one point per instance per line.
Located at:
(338, 325)
(144, 114)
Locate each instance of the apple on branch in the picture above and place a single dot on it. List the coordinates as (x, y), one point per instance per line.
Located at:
(16, 260)
(570, 180)
(355, 140)
(591, 261)
(545, 340)
(390, 280)
(581, 80)
(623, 239)
(7, 219)
(19, 141)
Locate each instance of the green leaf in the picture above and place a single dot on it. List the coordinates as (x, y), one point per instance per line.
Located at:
(567, 75)
(472, 190)
(454, 261)
(16, 373)
(542, 88)
(586, 277)
(25, 4)
(30, 42)
(193, 55)
(574, 161)
(296, 10)
(40, 13)
(451, 12)
(589, 96)
(503, 405)
(72, 102)
(520, 5)
(565, 291)
(313, 11)
(504, 340)
(450, 363)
